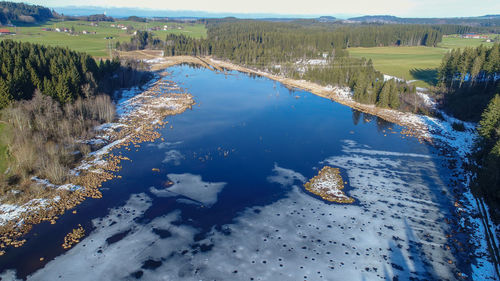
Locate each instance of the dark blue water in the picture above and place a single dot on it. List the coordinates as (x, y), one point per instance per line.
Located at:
(239, 131)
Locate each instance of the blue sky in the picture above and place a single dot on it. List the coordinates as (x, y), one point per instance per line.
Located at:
(406, 8)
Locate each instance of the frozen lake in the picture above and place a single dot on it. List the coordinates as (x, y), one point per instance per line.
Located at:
(237, 209)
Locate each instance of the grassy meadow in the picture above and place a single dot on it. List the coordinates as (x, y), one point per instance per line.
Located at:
(96, 44)
(414, 63)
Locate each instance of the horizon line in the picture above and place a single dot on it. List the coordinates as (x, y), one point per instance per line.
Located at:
(260, 15)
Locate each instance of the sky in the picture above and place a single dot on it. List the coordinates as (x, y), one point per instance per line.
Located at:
(402, 8)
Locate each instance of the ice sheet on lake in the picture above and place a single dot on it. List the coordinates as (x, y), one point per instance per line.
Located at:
(352, 147)
(396, 232)
(165, 144)
(285, 177)
(118, 246)
(173, 156)
(192, 187)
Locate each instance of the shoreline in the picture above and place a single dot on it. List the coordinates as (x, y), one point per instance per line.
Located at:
(140, 114)
(437, 133)
(425, 129)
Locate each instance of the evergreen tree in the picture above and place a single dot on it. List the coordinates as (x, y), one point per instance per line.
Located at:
(394, 95)
(384, 95)
(488, 155)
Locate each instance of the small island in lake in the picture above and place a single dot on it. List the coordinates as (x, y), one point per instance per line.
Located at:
(329, 184)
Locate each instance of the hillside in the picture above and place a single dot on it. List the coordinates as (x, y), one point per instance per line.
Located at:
(483, 21)
(20, 12)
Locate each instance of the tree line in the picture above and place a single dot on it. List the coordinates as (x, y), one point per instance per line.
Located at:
(367, 83)
(260, 42)
(12, 12)
(60, 73)
(478, 24)
(469, 78)
(470, 82)
(487, 155)
(263, 45)
(51, 99)
(140, 41)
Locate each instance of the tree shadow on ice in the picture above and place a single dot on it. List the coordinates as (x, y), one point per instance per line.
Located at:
(437, 241)
(416, 266)
(422, 265)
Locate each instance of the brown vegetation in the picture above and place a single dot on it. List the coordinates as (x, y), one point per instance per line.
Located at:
(45, 140)
(145, 114)
(73, 237)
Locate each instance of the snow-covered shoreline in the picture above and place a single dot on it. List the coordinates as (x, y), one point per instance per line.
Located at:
(140, 114)
(440, 133)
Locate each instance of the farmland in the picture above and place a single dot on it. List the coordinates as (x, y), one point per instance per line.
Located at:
(414, 63)
(95, 42)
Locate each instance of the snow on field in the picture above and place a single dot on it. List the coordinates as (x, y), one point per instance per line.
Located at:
(46, 183)
(108, 126)
(343, 93)
(396, 232)
(155, 60)
(427, 100)
(442, 132)
(9, 212)
(390, 77)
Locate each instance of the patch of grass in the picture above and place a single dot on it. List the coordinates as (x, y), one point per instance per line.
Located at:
(4, 156)
(414, 63)
(428, 75)
(96, 44)
(400, 61)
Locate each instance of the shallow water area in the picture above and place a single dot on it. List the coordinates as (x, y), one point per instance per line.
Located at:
(221, 197)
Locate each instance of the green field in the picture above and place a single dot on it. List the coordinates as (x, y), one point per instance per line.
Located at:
(453, 41)
(96, 44)
(414, 63)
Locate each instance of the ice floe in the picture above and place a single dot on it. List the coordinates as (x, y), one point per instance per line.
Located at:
(166, 144)
(173, 156)
(192, 187)
(285, 176)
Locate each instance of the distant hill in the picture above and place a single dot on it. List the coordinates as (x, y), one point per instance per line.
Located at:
(20, 12)
(487, 20)
(327, 19)
(97, 17)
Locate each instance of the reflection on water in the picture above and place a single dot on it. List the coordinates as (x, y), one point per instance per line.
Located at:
(228, 202)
